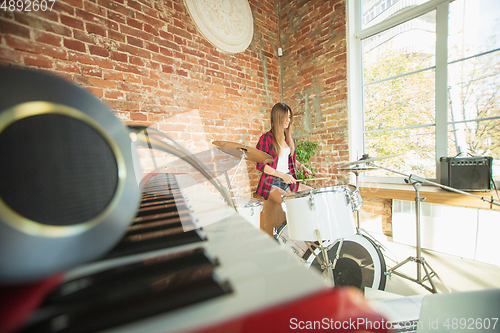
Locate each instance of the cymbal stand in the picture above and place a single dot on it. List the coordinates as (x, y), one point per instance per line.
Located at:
(243, 156)
(358, 216)
(419, 259)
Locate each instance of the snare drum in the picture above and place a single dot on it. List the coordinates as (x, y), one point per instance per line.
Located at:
(249, 208)
(327, 209)
(360, 264)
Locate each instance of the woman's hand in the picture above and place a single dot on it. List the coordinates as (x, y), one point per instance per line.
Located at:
(306, 171)
(288, 178)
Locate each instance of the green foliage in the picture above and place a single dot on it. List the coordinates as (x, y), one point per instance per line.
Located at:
(304, 150)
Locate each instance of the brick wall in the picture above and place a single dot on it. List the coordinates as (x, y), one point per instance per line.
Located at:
(314, 63)
(377, 210)
(147, 61)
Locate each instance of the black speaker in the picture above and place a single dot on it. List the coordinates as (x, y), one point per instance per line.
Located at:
(467, 173)
(68, 187)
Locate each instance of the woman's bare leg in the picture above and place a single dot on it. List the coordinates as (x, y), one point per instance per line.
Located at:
(275, 194)
(304, 187)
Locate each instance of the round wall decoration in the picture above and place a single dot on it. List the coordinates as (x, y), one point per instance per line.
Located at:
(227, 24)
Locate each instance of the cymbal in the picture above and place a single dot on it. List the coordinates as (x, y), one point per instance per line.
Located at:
(236, 149)
(368, 159)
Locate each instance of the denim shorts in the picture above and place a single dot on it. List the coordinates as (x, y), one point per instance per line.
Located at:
(278, 182)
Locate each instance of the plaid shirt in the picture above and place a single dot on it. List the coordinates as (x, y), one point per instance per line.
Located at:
(266, 145)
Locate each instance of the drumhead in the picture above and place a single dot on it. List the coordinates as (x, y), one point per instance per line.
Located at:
(360, 264)
(301, 194)
(334, 188)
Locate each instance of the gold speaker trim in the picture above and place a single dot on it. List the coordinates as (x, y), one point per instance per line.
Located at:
(34, 228)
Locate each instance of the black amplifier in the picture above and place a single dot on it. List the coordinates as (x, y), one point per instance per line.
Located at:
(466, 173)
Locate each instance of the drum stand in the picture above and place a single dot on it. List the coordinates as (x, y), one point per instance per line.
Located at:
(325, 263)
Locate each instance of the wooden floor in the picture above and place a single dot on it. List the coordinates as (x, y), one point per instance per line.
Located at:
(458, 274)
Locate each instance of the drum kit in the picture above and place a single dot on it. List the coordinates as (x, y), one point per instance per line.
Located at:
(320, 226)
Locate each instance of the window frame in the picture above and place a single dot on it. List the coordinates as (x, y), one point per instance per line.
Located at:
(355, 74)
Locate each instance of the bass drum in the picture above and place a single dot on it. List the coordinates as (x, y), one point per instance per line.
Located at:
(360, 264)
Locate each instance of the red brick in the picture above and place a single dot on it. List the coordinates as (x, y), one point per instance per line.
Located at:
(151, 47)
(95, 29)
(38, 61)
(47, 15)
(151, 29)
(83, 36)
(134, 23)
(99, 51)
(11, 28)
(150, 11)
(46, 38)
(136, 33)
(135, 5)
(91, 71)
(74, 3)
(72, 22)
(138, 116)
(130, 69)
(10, 56)
(122, 105)
(98, 92)
(35, 47)
(179, 32)
(135, 41)
(118, 56)
(74, 45)
(94, 9)
(167, 69)
(113, 94)
(67, 67)
(116, 36)
(113, 5)
(132, 78)
(62, 8)
(95, 82)
(134, 50)
(181, 72)
(36, 23)
(117, 17)
(112, 75)
(86, 59)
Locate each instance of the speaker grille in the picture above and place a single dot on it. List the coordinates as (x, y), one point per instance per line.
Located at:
(56, 169)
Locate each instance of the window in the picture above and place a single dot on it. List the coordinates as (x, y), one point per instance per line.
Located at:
(426, 82)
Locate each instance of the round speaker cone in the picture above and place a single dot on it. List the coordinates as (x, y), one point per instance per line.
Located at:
(68, 187)
(49, 181)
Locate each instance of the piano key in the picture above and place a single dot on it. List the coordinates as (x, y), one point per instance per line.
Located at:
(260, 272)
(139, 270)
(153, 241)
(134, 301)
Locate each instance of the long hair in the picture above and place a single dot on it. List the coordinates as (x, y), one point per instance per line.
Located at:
(278, 116)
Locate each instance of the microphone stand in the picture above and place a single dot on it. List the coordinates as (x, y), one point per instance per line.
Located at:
(417, 182)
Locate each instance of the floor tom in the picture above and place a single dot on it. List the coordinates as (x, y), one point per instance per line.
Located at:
(249, 208)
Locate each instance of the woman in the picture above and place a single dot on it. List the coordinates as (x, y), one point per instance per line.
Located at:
(279, 176)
